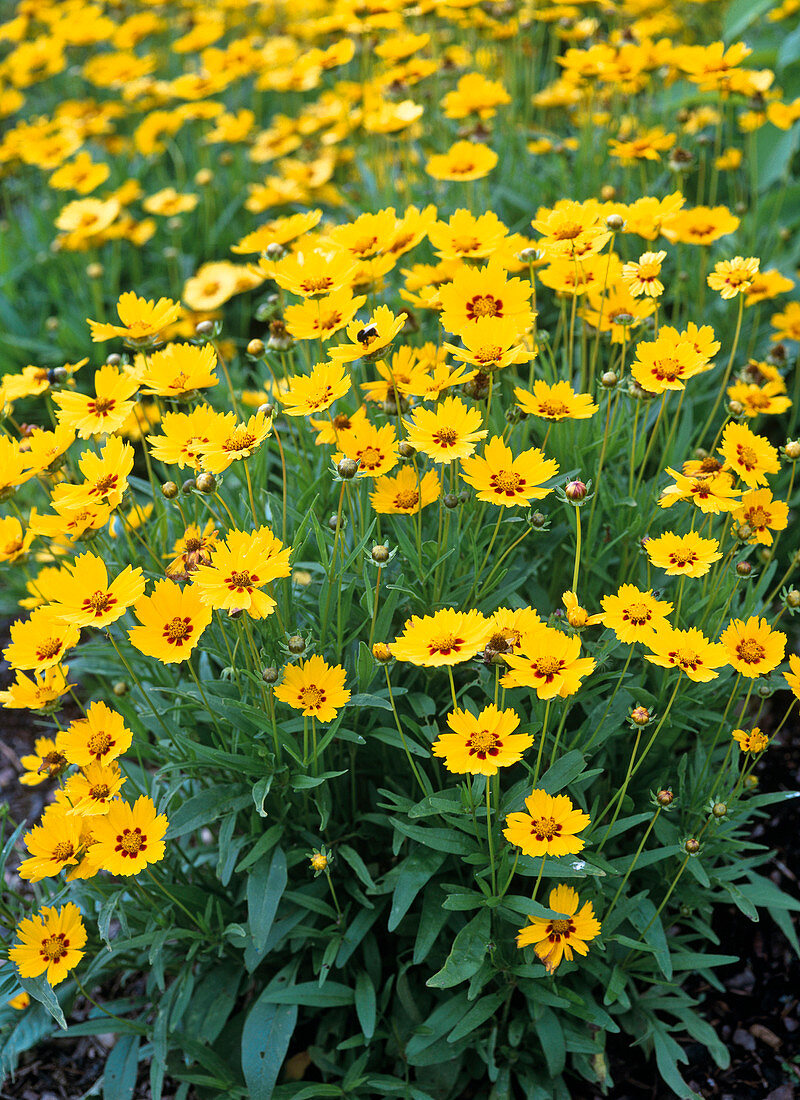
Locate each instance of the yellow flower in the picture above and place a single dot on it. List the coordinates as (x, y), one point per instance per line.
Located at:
(550, 826)
(642, 276)
(183, 437)
(86, 598)
(320, 319)
(50, 943)
(178, 370)
(754, 740)
(753, 648)
(89, 793)
(14, 543)
(465, 160)
(405, 493)
(127, 838)
(238, 570)
(555, 938)
(447, 637)
(451, 431)
(106, 478)
(732, 277)
(550, 662)
(172, 621)
(509, 482)
(105, 412)
(762, 514)
(168, 202)
(39, 692)
(481, 744)
(633, 615)
(683, 555)
(312, 393)
(141, 319)
(555, 401)
(711, 494)
(750, 455)
(792, 677)
(314, 687)
(475, 293)
(312, 274)
(666, 362)
(374, 447)
(370, 340)
(688, 650)
(46, 762)
(40, 641)
(100, 737)
(53, 844)
(492, 343)
(465, 236)
(578, 617)
(81, 174)
(230, 440)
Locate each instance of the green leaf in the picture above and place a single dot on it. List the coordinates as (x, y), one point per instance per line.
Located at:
(740, 14)
(351, 857)
(443, 840)
(668, 1052)
(330, 995)
(412, 874)
(431, 922)
(307, 782)
(262, 845)
(365, 1003)
(551, 1036)
(42, 992)
(567, 768)
(260, 792)
(443, 1019)
(122, 1064)
(266, 1036)
(205, 807)
(265, 886)
(477, 1015)
(466, 955)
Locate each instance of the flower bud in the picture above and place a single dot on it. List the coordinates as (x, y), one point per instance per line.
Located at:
(206, 483)
(608, 192)
(615, 222)
(268, 409)
(609, 380)
(380, 554)
(736, 409)
(169, 489)
(744, 568)
(719, 810)
(640, 716)
(665, 797)
(95, 271)
(691, 846)
(270, 675)
(256, 348)
(274, 251)
(335, 521)
(347, 468)
(205, 328)
(751, 782)
(381, 653)
(792, 449)
(575, 491)
(793, 598)
(113, 360)
(120, 688)
(450, 500)
(188, 486)
(743, 532)
(538, 519)
(319, 862)
(405, 449)
(296, 644)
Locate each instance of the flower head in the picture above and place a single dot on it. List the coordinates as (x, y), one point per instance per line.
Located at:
(50, 943)
(315, 688)
(550, 826)
(127, 838)
(450, 431)
(753, 741)
(100, 737)
(40, 641)
(687, 650)
(732, 277)
(86, 598)
(683, 555)
(555, 401)
(502, 479)
(753, 647)
(555, 938)
(405, 493)
(751, 456)
(481, 744)
(141, 319)
(172, 621)
(550, 662)
(633, 615)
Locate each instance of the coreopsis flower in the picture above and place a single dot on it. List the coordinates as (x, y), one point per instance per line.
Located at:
(365, 237)
(762, 514)
(14, 542)
(46, 450)
(467, 237)
(645, 146)
(321, 319)
(127, 838)
(99, 738)
(687, 650)
(549, 828)
(405, 493)
(633, 615)
(375, 448)
(666, 362)
(183, 437)
(192, 549)
(555, 938)
(580, 276)
(50, 943)
(142, 320)
(47, 761)
(642, 275)
(509, 482)
(450, 431)
(104, 413)
(481, 744)
(370, 340)
(317, 391)
(15, 466)
(90, 792)
(40, 641)
(732, 277)
(786, 325)
(53, 844)
(464, 160)
(178, 370)
(38, 692)
(447, 637)
(508, 629)
(571, 229)
(86, 598)
(577, 616)
(330, 431)
(410, 230)
(549, 662)
(687, 555)
(753, 647)
(792, 677)
(172, 621)
(752, 741)
(81, 174)
(474, 94)
(491, 344)
(769, 399)
(84, 219)
(311, 274)
(406, 377)
(314, 687)
(279, 231)
(616, 311)
(555, 401)
(105, 478)
(750, 455)
(701, 225)
(44, 588)
(475, 293)
(168, 202)
(712, 494)
(230, 441)
(238, 570)
(766, 285)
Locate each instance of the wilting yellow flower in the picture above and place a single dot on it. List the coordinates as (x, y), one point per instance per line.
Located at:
(38, 692)
(555, 938)
(753, 741)
(46, 762)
